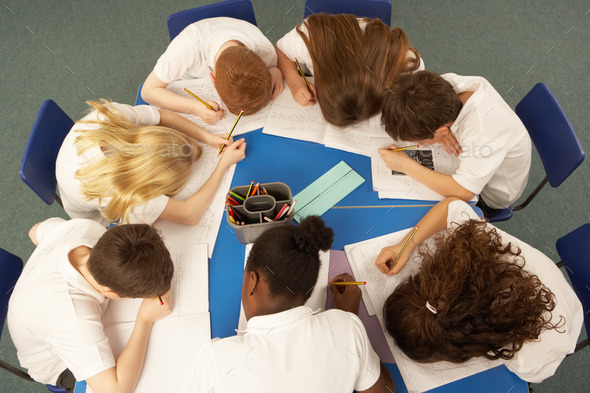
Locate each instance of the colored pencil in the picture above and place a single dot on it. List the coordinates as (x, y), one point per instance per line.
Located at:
(230, 131)
(405, 148)
(404, 247)
(255, 188)
(302, 75)
(249, 189)
(268, 219)
(292, 207)
(281, 212)
(349, 283)
(161, 301)
(237, 196)
(203, 102)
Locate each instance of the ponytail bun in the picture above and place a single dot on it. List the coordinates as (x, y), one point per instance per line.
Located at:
(313, 235)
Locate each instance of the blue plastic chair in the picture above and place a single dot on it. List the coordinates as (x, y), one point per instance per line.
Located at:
(11, 267)
(362, 8)
(574, 251)
(239, 9)
(37, 167)
(553, 136)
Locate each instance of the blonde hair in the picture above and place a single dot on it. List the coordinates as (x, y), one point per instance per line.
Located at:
(138, 163)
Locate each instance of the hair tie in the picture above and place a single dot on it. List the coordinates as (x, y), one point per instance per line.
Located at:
(431, 308)
(302, 244)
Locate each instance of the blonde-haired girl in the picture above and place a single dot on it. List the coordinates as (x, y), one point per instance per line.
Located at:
(124, 163)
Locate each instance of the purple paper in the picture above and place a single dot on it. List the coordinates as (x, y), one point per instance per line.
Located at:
(338, 265)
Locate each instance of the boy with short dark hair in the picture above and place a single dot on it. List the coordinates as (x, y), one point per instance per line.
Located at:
(240, 60)
(466, 115)
(57, 303)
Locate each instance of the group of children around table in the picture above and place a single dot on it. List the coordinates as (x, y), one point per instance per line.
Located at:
(478, 293)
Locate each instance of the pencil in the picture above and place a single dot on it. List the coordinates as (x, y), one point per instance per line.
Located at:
(233, 201)
(249, 189)
(280, 212)
(255, 188)
(349, 283)
(161, 301)
(404, 247)
(203, 102)
(302, 75)
(405, 148)
(237, 196)
(230, 131)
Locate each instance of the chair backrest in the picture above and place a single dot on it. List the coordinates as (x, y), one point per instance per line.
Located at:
(362, 8)
(11, 267)
(574, 251)
(37, 167)
(239, 9)
(551, 132)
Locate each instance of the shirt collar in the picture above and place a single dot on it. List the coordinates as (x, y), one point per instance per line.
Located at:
(264, 323)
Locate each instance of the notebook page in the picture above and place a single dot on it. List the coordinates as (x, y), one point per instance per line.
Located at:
(356, 138)
(418, 377)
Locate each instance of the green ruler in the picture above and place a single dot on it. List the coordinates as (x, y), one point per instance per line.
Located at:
(326, 191)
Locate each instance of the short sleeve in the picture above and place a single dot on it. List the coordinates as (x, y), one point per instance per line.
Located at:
(183, 54)
(83, 347)
(148, 212)
(293, 46)
(369, 363)
(143, 115)
(200, 377)
(459, 212)
(47, 227)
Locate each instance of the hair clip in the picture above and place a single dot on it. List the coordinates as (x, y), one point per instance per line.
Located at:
(431, 308)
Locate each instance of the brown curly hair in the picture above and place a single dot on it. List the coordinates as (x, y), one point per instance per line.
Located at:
(487, 304)
(354, 67)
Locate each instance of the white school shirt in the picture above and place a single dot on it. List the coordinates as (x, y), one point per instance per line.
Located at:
(496, 146)
(537, 360)
(291, 351)
(55, 314)
(293, 46)
(191, 54)
(68, 162)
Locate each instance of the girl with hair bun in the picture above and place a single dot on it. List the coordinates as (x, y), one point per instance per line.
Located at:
(480, 292)
(286, 346)
(124, 163)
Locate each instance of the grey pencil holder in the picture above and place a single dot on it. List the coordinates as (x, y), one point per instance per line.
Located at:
(256, 207)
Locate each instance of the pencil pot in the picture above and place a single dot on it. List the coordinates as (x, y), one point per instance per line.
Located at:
(268, 207)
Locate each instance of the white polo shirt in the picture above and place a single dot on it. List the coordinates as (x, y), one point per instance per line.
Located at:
(293, 46)
(54, 317)
(538, 360)
(496, 146)
(192, 53)
(291, 351)
(68, 162)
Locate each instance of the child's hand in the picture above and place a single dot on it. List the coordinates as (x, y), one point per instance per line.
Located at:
(277, 81)
(302, 95)
(387, 256)
(151, 310)
(210, 116)
(346, 297)
(233, 153)
(216, 141)
(395, 160)
(449, 142)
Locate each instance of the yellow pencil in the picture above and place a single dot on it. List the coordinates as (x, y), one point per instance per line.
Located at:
(203, 102)
(405, 148)
(302, 74)
(161, 301)
(349, 283)
(230, 131)
(404, 247)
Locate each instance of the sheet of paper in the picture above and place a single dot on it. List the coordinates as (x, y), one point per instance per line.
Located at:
(396, 186)
(178, 235)
(317, 300)
(418, 377)
(290, 120)
(171, 349)
(190, 288)
(338, 265)
(356, 138)
(204, 89)
(326, 191)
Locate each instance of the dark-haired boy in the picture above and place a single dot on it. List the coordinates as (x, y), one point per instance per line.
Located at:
(57, 303)
(466, 115)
